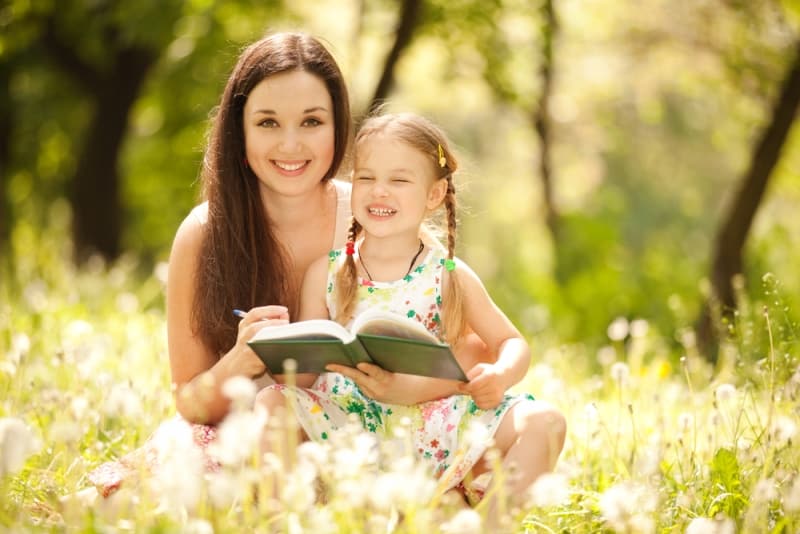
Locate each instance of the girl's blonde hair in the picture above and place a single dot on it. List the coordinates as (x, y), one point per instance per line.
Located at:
(423, 135)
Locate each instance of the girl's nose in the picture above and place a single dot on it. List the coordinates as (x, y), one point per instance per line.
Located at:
(379, 190)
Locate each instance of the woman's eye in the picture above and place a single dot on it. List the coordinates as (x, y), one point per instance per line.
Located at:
(312, 122)
(268, 123)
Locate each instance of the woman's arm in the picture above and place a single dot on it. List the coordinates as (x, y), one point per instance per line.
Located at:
(198, 373)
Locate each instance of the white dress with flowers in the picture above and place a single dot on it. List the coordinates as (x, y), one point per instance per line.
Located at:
(450, 433)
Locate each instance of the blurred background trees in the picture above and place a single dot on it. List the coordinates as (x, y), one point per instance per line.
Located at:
(608, 144)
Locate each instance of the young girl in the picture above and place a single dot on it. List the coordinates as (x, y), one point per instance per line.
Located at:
(403, 174)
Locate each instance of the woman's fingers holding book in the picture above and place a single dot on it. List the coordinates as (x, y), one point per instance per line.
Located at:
(272, 312)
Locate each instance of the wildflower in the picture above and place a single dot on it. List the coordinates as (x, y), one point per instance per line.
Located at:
(765, 491)
(178, 481)
(550, 489)
(606, 355)
(624, 507)
(705, 525)
(618, 329)
(685, 421)
(791, 495)
(466, 521)
(639, 328)
(725, 393)
(239, 437)
(241, 391)
(123, 401)
(783, 429)
(17, 443)
(620, 372)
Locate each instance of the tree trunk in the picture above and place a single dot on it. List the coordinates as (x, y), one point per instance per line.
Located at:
(95, 191)
(95, 195)
(541, 120)
(409, 17)
(732, 234)
(6, 122)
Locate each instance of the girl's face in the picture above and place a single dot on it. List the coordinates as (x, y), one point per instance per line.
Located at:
(289, 132)
(394, 187)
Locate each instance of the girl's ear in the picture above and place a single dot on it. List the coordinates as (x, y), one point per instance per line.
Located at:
(436, 193)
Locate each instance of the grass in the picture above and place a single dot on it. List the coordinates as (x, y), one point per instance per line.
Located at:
(654, 445)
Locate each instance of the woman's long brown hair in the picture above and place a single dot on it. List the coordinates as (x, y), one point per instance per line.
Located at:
(242, 264)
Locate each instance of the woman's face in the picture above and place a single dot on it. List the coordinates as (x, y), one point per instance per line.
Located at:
(289, 132)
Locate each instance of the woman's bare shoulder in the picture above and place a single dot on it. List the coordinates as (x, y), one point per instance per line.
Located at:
(190, 232)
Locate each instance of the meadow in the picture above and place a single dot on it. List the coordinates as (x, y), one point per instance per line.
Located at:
(656, 442)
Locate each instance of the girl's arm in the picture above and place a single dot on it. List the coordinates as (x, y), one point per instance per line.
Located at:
(197, 373)
(488, 382)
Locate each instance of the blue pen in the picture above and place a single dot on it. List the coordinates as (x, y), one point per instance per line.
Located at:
(239, 313)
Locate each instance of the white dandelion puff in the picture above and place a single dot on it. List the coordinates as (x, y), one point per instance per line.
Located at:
(239, 436)
(791, 495)
(550, 489)
(606, 355)
(639, 328)
(466, 521)
(725, 393)
(241, 391)
(620, 372)
(17, 443)
(123, 401)
(618, 329)
(783, 429)
(706, 525)
(765, 491)
(626, 504)
(127, 303)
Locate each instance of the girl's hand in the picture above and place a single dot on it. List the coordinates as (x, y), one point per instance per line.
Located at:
(253, 321)
(486, 386)
(375, 382)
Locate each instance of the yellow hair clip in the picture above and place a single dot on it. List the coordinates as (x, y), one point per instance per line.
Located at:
(442, 159)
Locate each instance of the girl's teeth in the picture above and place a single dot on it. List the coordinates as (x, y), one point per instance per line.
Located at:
(383, 212)
(289, 166)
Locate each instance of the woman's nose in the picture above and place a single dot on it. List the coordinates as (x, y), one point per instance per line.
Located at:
(290, 141)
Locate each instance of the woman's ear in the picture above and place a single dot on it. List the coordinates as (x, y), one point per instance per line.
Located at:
(436, 193)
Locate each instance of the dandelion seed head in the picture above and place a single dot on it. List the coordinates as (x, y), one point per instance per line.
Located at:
(706, 525)
(79, 406)
(238, 437)
(783, 429)
(17, 444)
(639, 328)
(241, 391)
(550, 489)
(685, 422)
(620, 372)
(20, 344)
(626, 504)
(725, 393)
(466, 521)
(123, 401)
(765, 491)
(618, 329)
(791, 495)
(606, 355)
(65, 432)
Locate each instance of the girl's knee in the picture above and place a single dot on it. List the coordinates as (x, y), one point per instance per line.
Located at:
(541, 420)
(270, 398)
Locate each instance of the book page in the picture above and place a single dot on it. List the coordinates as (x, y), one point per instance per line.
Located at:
(311, 329)
(381, 323)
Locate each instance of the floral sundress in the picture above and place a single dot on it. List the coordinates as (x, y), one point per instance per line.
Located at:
(451, 433)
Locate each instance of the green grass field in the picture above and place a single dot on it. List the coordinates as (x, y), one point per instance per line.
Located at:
(653, 445)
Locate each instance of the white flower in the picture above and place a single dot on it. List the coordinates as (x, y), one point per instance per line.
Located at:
(639, 328)
(466, 521)
(21, 344)
(791, 495)
(606, 355)
(179, 479)
(17, 443)
(239, 437)
(783, 429)
(626, 504)
(618, 329)
(127, 302)
(620, 372)
(765, 490)
(550, 489)
(241, 391)
(725, 393)
(123, 401)
(705, 525)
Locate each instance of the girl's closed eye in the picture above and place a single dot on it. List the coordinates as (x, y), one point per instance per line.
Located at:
(364, 178)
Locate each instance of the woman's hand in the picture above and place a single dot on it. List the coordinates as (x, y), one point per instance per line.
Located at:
(253, 321)
(486, 386)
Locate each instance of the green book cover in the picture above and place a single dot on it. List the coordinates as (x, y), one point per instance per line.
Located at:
(391, 341)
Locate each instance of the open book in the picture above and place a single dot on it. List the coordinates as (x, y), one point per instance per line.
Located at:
(393, 342)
